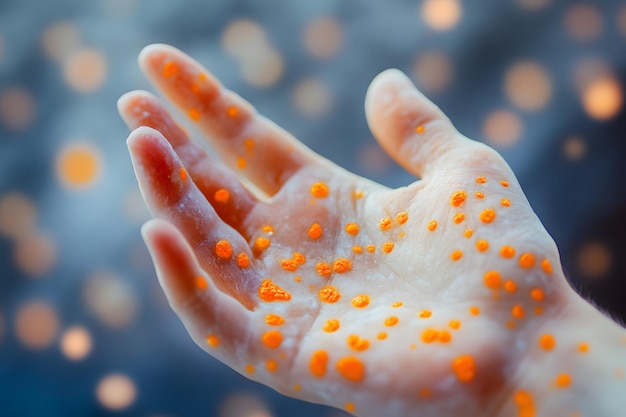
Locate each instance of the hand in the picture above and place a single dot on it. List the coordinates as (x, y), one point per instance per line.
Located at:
(421, 300)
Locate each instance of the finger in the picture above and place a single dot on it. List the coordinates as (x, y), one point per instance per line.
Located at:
(216, 321)
(171, 195)
(257, 148)
(220, 186)
(412, 129)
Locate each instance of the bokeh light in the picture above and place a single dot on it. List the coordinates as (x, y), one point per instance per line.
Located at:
(116, 391)
(76, 343)
(18, 215)
(78, 165)
(502, 128)
(621, 20)
(594, 260)
(60, 40)
(110, 299)
(323, 37)
(263, 67)
(36, 325)
(533, 5)
(583, 22)
(312, 97)
(574, 148)
(603, 98)
(242, 37)
(17, 108)
(528, 85)
(85, 70)
(243, 405)
(35, 254)
(441, 15)
(433, 71)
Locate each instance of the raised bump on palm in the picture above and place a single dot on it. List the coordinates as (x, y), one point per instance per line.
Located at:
(409, 300)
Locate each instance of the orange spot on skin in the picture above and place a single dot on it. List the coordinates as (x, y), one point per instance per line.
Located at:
(268, 291)
(456, 255)
(525, 404)
(481, 180)
(504, 183)
(563, 381)
(397, 304)
(356, 343)
(458, 198)
(391, 321)
(241, 163)
(510, 286)
(482, 245)
(342, 265)
(201, 283)
(402, 217)
(315, 231)
(318, 363)
(261, 243)
(331, 325)
(474, 311)
(517, 311)
(272, 339)
(371, 248)
(546, 266)
(298, 258)
(250, 369)
(464, 368)
(182, 173)
(274, 320)
(195, 88)
(319, 190)
(243, 261)
(289, 265)
(213, 341)
(248, 145)
(527, 260)
(357, 249)
(323, 269)
(538, 310)
(468, 233)
(223, 249)
(478, 194)
(170, 69)
(351, 368)
(454, 324)
(194, 114)
(537, 294)
(222, 196)
(361, 301)
(583, 347)
(352, 229)
(458, 218)
(507, 251)
(381, 336)
(429, 335)
(444, 336)
(357, 194)
(388, 247)
(424, 314)
(547, 342)
(493, 280)
(232, 111)
(419, 129)
(350, 407)
(385, 223)
(505, 202)
(425, 393)
(268, 229)
(329, 294)
(487, 215)
(297, 387)
(432, 225)
(271, 365)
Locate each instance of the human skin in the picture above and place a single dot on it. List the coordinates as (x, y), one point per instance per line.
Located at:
(442, 298)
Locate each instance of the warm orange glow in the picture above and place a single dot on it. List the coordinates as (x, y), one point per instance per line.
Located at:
(17, 108)
(583, 22)
(242, 37)
(433, 71)
(574, 148)
(603, 98)
(263, 68)
(502, 128)
(528, 85)
(35, 254)
(36, 325)
(76, 343)
(60, 40)
(116, 391)
(18, 215)
(78, 165)
(110, 299)
(533, 5)
(85, 70)
(594, 260)
(323, 37)
(312, 97)
(441, 14)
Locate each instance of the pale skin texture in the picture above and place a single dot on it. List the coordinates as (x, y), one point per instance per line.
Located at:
(455, 303)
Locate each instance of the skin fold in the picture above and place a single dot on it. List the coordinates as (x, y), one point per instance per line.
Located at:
(442, 298)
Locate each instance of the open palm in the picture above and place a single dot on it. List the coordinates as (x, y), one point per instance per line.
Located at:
(325, 285)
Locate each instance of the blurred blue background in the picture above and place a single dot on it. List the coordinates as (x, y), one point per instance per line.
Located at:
(84, 328)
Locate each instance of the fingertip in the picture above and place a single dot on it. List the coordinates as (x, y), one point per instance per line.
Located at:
(131, 106)
(384, 87)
